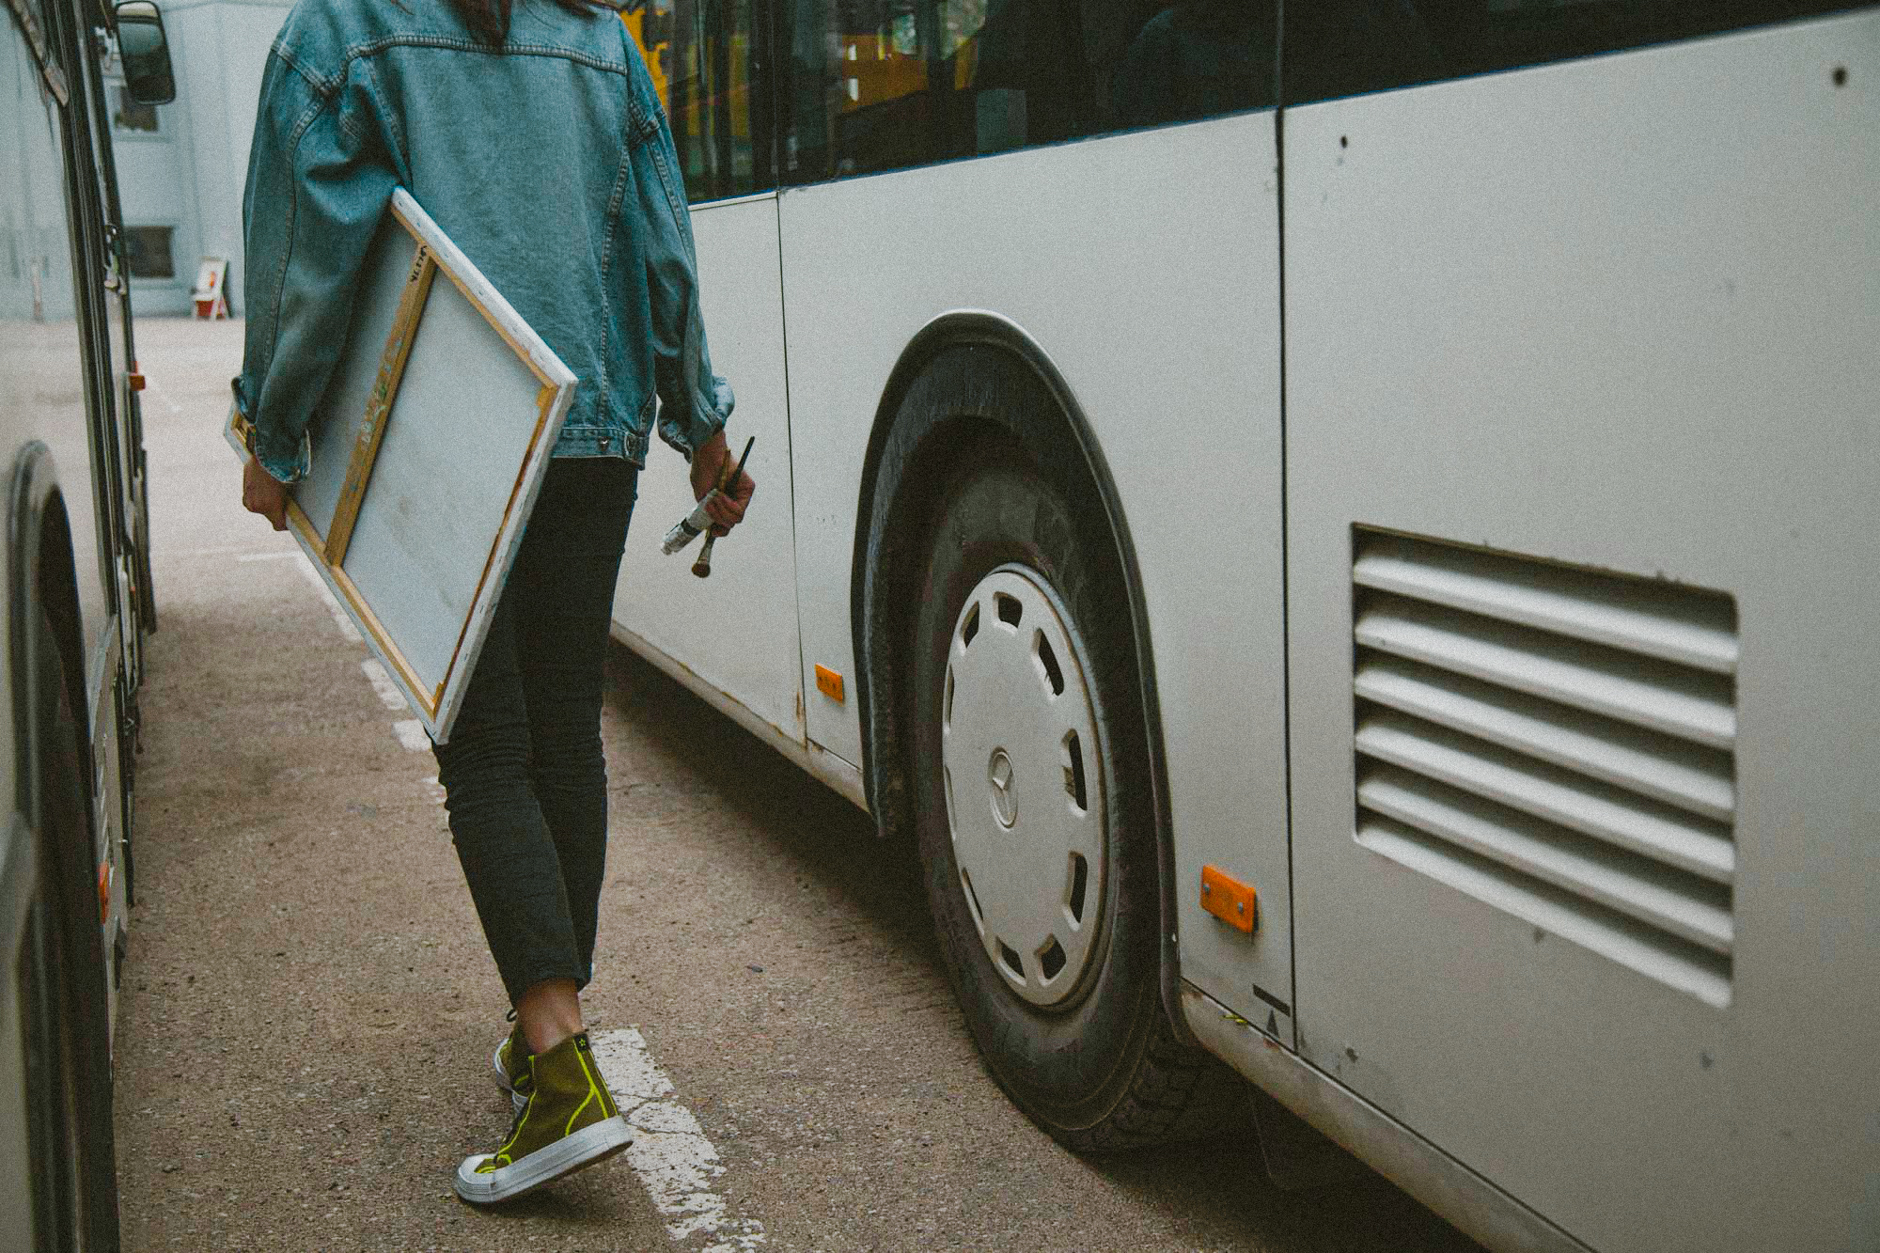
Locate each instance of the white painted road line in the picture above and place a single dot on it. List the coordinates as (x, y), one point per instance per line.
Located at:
(312, 576)
(670, 1153)
(389, 695)
(410, 731)
(152, 391)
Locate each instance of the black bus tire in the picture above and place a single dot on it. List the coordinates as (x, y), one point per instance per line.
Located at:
(69, 891)
(1101, 1070)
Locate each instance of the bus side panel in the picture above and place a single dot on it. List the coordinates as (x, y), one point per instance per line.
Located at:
(43, 366)
(737, 629)
(1620, 313)
(1145, 267)
(29, 161)
(84, 437)
(42, 380)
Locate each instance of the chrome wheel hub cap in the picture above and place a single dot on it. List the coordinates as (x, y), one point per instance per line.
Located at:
(1024, 784)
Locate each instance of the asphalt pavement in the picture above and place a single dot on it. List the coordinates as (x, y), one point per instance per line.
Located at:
(303, 1042)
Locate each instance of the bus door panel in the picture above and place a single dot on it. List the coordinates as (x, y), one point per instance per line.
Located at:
(44, 356)
(1144, 266)
(1580, 411)
(736, 629)
(123, 434)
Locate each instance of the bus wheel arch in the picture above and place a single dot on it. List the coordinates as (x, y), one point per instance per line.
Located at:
(970, 388)
(44, 575)
(912, 446)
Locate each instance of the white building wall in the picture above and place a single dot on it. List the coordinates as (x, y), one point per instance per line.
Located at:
(155, 193)
(192, 175)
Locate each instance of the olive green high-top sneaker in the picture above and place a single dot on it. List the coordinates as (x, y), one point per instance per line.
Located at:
(568, 1120)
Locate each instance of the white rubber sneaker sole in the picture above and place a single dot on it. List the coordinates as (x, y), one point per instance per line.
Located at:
(496, 1064)
(516, 1099)
(585, 1147)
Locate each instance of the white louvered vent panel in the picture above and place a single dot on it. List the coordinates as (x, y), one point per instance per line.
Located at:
(1555, 741)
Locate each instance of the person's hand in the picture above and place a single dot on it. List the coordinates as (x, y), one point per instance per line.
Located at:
(264, 494)
(710, 464)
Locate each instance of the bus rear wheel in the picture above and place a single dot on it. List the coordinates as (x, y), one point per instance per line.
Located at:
(66, 1026)
(1032, 802)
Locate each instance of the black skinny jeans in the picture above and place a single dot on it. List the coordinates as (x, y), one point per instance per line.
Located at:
(524, 777)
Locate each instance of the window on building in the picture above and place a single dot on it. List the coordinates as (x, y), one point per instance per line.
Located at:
(130, 117)
(149, 251)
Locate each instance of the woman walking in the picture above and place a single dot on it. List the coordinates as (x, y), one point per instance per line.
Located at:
(534, 138)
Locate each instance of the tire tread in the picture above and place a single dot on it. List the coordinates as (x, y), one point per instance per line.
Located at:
(1179, 1093)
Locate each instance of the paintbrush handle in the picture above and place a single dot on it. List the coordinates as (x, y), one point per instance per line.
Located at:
(703, 566)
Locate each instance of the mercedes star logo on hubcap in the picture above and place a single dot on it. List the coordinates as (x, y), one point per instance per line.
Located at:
(999, 774)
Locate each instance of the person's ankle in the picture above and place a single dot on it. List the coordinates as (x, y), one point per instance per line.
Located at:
(549, 1012)
(549, 1037)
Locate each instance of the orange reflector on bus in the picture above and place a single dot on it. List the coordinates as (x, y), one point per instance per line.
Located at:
(1228, 899)
(104, 893)
(829, 683)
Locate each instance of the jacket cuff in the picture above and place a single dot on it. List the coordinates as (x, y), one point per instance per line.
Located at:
(285, 458)
(289, 468)
(707, 418)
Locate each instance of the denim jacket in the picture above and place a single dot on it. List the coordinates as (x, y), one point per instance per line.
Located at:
(549, 162)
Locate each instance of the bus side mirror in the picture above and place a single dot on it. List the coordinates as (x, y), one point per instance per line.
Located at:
(145, 52)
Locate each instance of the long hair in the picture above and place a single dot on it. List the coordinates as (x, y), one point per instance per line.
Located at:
(488, 20)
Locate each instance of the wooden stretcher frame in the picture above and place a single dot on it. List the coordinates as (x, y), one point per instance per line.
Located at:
(433, 253)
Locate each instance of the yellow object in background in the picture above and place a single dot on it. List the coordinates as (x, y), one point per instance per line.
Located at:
(874, 72)
(635, 19)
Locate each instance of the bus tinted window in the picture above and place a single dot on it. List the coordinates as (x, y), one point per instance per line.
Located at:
(1343, 47)
(707, 66)
(883, 84)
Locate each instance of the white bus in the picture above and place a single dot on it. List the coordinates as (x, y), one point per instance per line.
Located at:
(1348, 540)
(76, 569)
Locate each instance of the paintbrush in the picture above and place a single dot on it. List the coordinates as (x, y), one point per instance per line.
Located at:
(689, 527)
(703, 566)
